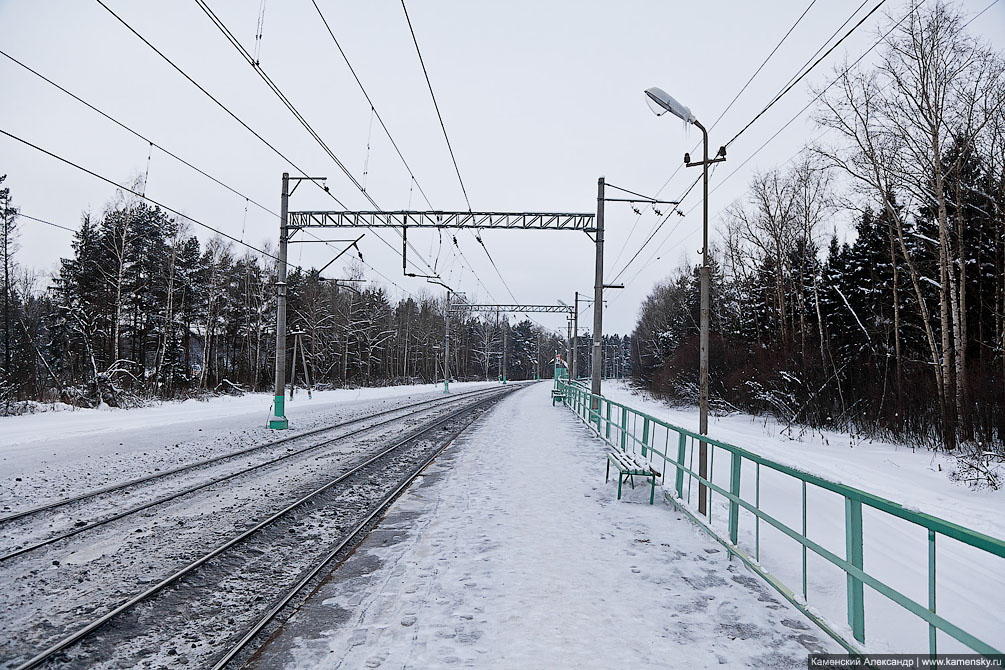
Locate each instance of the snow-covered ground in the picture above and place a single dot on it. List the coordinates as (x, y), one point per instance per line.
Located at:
(51, 455)
(971, 583)
(513, 552)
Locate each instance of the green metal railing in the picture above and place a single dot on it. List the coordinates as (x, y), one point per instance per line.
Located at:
(632, 430)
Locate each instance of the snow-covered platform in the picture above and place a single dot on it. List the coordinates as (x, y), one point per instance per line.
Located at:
(512, 552)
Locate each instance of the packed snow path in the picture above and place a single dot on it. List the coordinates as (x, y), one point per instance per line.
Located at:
(513, 552)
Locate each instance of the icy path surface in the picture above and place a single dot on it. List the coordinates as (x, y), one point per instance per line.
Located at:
(513, 553)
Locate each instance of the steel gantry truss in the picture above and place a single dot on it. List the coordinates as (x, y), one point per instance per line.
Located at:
(543, 309)
(409, 219)
(464, 307)
(291, 222)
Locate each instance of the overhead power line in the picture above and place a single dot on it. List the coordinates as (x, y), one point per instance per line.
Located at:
(795, 80)
(436, 105)
(450, 148)
(205, 92)
(137, 134)
(765, 61)
(208, 94)
(807, 71)
(660, 251)
(722, 114)
(303, 121)
(22, 215)
(111, 182)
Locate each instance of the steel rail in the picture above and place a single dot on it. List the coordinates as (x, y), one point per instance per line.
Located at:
(208, 461)
(357, 530)
(90, 628)
(210, 482)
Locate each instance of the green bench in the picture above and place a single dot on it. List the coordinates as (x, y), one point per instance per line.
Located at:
(557, 395)
(628, 468)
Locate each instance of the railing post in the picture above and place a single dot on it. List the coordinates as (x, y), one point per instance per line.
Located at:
(608, 429)
(931, 591)
(734, 488)
(624, 429)
(645, 435)
(681, 448)
(853, 554)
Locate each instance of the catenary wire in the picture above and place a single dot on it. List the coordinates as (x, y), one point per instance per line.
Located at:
(111, 182)
(221, 26)
(208, 94)
(453, 157)
(136, 133)
(387, 132)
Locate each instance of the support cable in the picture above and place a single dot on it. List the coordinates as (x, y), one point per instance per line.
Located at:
(414, 182)
(259, 31)
(373, 107)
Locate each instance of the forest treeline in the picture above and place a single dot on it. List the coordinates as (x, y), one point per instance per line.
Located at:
(899, 333)
(142, 309)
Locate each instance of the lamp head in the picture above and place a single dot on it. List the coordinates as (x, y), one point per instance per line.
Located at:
(662, 102)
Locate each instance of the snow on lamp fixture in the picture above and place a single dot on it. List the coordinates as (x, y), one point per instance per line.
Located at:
(662, 102)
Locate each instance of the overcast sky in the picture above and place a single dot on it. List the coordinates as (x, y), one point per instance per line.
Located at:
(539, 100)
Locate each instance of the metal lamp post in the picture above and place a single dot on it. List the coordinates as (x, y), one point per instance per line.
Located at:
(662, 102)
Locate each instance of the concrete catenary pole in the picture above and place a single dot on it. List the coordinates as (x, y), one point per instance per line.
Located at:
(279, 420)
(703, 339)
(568, 342)
(598, 299)
(537, 368)
(575, 338)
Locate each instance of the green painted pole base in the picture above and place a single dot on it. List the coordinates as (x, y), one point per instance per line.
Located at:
(279, 420)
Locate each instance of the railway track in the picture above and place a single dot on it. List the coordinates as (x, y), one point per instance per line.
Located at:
(134, 487)
(318, 525)
(120, 486)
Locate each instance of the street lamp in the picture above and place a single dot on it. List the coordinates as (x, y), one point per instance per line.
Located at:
(662, 102)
